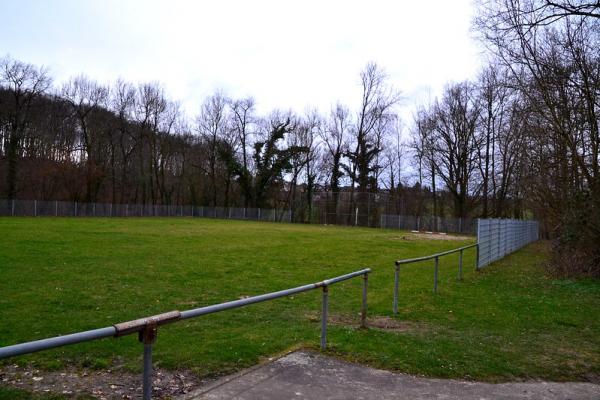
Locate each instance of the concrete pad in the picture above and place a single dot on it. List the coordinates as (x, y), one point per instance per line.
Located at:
(308, 375)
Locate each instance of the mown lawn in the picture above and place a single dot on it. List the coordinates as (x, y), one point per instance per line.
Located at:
(510, 321)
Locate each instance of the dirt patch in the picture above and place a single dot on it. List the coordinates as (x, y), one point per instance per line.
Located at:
(107, 384)
(432, 236)
(376, 322)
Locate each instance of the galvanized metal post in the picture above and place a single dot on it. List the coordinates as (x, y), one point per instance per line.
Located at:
(35, 208)
(435, 274)
(324, 311)
(396, 287)
(147, 377)
(12, 212)
(94, 209)
(148, 337)
(363, 311)
(55, 208)
(460, 259)
(477, 258)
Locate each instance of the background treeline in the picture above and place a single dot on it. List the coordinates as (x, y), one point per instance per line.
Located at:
(521, 140)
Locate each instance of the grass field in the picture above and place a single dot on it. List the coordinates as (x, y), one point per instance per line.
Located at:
(509, 321)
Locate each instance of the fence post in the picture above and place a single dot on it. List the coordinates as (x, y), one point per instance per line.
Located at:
(460, 260)
(396, 287)
(110, 212)
(35, 208)
(259, 213)
(478, 241)
(363, 311)
(325, 307)
(356, 217)
(13, 208)
(435, 274)
(75, 208)
(94, 209)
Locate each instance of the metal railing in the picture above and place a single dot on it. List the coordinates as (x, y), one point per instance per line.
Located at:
(436, 258)
(147, 327)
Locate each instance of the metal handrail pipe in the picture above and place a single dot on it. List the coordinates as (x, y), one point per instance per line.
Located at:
(126, 328)
(269, 296)
(44, 344)
(432, 256)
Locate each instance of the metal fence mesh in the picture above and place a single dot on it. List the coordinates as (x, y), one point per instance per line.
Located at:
(429, 223)
(38, 208)
(499, 237)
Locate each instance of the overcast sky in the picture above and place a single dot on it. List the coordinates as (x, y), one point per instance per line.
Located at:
(287, 54)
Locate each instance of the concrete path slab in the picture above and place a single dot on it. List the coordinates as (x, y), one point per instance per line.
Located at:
(308, 375)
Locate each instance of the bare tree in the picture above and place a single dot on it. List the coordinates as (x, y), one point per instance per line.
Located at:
(423, 145)
(378, 99)
(334, 136)
(85, 97)
(456, 143)
(26, 83)
(212, 125)
(550, 49)
(243, 117)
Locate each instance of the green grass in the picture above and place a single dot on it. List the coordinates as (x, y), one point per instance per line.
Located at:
(65, 275)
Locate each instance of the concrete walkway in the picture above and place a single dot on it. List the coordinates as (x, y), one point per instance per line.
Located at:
(307, 375)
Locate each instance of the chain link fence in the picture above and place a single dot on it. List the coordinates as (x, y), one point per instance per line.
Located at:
(36, 208)
(500, 237)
